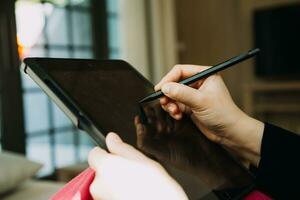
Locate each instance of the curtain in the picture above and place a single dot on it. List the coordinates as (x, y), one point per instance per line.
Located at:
(148, 36)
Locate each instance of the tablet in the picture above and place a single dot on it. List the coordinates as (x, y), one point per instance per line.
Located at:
(100, 96)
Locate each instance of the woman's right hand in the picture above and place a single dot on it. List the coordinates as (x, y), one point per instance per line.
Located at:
(210, 106)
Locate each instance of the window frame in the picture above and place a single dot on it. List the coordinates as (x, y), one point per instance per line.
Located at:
(11, 91)
(11, 98)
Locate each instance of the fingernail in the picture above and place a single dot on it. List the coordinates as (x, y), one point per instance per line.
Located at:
(115, 138)
(166, 89)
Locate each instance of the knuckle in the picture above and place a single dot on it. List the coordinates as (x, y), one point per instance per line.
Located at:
(176, 91)
(176, 71)
(176, 67)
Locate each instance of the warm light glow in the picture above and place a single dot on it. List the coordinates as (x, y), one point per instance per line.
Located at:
(21, 50)
(30, 22)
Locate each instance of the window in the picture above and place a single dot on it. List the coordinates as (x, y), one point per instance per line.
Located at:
(57, 30)
(113, 28)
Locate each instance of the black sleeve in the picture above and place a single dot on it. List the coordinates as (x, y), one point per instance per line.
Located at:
(278, 173)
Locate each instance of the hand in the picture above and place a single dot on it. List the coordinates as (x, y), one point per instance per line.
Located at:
(126, 173)
(213, 111)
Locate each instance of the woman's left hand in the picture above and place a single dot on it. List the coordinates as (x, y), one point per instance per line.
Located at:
(126, 173)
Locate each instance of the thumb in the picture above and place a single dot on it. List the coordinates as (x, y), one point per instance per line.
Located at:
(97, 157)
(116, 146)
(182, 93)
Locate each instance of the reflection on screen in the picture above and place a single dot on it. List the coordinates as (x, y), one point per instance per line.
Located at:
(182, 144)
(108, 92)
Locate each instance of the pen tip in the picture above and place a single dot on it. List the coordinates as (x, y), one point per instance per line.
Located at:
(254, 51)
(152, 96)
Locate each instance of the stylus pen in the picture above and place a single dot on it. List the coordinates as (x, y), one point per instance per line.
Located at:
(207, 72)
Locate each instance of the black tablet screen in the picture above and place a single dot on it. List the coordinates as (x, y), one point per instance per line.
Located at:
(108, 92)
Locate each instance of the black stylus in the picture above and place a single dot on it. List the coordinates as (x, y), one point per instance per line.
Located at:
(207, 72)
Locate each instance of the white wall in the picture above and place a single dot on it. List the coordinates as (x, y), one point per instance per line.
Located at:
(133, 36)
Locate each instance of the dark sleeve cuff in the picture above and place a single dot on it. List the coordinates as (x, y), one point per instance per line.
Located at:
(279, 166)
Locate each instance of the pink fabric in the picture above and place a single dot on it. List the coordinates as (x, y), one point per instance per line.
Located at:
(77, 188)
(257, 195)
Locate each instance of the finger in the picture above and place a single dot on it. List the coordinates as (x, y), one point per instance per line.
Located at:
(165, 108)
(173, 111)
(183, 94)
(180, 72)
(164, 100)
(116, 146)
(96, 157)
(182, 108)
(177, 116)
(172, 108)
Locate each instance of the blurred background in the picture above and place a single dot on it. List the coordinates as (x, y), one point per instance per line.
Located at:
(152, 35)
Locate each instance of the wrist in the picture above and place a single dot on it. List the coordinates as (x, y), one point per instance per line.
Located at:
(246, 143)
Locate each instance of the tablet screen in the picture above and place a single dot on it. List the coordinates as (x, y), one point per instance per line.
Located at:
(108, 92)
